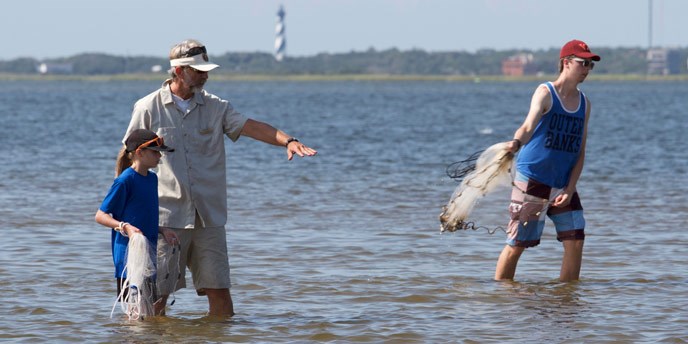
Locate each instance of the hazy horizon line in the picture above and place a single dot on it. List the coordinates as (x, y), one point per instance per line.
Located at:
(339, 52)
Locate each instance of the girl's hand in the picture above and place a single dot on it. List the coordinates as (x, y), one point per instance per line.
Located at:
(130, 229)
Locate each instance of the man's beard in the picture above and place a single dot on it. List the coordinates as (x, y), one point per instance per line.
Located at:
(194, 87)
(197, 88)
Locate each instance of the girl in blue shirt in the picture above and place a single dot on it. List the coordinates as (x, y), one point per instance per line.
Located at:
(131, 205)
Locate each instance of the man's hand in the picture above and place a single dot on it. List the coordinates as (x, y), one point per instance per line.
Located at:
(296, 147)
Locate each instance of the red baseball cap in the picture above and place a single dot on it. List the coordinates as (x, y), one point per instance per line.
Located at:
(578, 49)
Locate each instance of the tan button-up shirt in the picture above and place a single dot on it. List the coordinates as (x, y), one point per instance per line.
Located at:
(193, 177)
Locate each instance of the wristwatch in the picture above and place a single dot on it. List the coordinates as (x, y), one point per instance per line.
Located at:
(290, 140)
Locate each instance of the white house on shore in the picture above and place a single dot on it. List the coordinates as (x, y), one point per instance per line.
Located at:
(55, 68)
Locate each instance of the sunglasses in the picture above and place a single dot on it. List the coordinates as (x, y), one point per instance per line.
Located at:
(584, 62)
(156, 142)
(196, 51)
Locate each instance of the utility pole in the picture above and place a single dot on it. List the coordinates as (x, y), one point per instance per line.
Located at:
(649, 25)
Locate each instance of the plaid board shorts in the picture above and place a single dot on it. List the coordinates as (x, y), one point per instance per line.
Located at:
(529, 199)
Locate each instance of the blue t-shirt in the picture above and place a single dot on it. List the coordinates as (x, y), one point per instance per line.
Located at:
(133, 198)
(555, 146)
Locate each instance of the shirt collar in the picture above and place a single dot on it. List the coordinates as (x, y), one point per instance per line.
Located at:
(167, 94)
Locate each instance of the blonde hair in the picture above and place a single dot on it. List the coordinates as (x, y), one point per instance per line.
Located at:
(561, 62)
(124, 161)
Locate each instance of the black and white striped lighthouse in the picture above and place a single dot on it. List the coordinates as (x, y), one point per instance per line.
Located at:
(280, 37)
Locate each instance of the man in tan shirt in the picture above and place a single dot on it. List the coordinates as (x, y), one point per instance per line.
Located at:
(192, 182)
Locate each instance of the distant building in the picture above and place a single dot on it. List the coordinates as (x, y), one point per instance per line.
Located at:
(55, 68)
(516, 65)
(663, 61)
(280, 36)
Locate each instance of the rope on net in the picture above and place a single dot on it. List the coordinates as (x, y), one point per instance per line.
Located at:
(138, 288)
(479, 174)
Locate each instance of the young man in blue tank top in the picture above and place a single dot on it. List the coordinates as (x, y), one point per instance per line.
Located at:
(553, 138)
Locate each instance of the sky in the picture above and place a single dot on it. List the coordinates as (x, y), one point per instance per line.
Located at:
(49, 28)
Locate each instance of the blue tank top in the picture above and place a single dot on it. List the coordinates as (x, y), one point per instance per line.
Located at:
(553, 150)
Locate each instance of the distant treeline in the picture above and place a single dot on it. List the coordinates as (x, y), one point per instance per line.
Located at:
(391, 61)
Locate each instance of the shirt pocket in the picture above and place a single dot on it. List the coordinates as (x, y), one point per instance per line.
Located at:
(209, 140)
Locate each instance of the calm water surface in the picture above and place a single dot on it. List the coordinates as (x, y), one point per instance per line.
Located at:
(345, 247)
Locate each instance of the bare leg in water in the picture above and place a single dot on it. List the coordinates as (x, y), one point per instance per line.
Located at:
(571, 262)
(506, 265)
(220, 302)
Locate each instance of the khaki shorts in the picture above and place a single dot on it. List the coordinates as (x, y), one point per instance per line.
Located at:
(203, 251)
